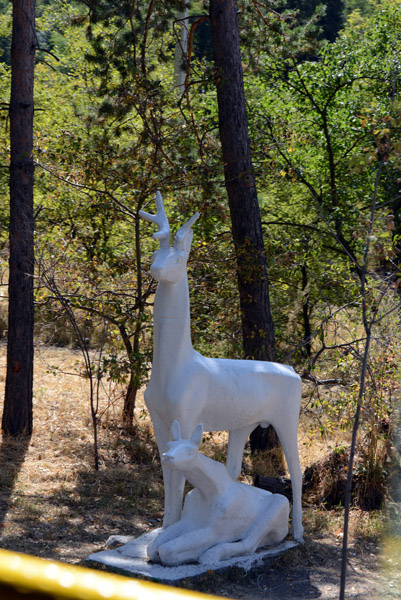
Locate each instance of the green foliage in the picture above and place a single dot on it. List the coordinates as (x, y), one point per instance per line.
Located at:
(108, 134)
(364, 7)
(320, 128)
(110, 129)
(326, 137)
(5, 31)
(331, 19)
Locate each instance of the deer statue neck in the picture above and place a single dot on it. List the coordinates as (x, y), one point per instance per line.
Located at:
(208, 476)
(172, 327)
(172, 324)
(172, 300)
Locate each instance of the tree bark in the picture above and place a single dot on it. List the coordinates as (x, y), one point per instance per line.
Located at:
(17, 415)
(253, 281)
(132, 388)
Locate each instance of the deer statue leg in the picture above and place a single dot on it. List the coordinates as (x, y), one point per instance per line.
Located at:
(270, 527)
(174, 480)
(236, 443)
(174, 483)
(165, 535)
(289, 440)
(188, 547)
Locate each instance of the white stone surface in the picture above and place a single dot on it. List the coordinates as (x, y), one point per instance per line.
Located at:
(140, 565)
(223, 394)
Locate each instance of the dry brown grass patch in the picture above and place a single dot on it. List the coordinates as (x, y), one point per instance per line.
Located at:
(54, 504)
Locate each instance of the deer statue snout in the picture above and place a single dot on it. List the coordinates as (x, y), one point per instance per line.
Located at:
(158, 273)
(168, 458)
(180, 455)
(169, 265)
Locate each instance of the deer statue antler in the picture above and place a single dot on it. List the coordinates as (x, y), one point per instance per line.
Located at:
(160, 219)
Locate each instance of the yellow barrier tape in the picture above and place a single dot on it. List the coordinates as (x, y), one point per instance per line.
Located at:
(30, 575)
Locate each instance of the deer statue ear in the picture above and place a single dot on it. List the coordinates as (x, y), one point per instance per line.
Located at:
(187, 241)
(175, 431)
(196, 437)
(185, 234)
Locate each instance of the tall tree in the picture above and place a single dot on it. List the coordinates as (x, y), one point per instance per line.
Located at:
(253, 281)
(17, 415)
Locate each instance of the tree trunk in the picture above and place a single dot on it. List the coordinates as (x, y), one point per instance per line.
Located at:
(17, 415)
(129, 401)
(132, 388)
(306, 310)
(253, 282)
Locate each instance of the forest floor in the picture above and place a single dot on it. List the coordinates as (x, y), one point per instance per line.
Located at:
(53, 504)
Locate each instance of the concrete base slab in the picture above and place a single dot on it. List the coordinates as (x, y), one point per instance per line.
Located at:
(138, 565)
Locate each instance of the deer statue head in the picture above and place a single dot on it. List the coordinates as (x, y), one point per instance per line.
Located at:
(181, 453)
(169, 263)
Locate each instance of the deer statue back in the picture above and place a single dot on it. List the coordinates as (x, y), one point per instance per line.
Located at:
(223, 394)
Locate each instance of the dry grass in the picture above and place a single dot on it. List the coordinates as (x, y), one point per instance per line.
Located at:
(54, 504)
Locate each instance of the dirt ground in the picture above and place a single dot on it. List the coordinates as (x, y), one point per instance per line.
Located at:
(53, 504)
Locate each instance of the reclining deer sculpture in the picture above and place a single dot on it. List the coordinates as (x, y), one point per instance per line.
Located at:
(223, 394)
(222, 518)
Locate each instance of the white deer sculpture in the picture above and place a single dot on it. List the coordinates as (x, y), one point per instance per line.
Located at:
(223, 394)
(222, 518)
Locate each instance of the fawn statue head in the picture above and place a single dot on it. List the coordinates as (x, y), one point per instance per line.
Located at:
(182, 453)
(170, 262)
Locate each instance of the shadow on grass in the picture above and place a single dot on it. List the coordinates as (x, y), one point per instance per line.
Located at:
(125, 498)
(70, 522)
(272, 582)
(12, 456)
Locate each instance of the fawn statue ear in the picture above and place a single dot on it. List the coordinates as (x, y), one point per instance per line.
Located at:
(175, 431)
(196, 437)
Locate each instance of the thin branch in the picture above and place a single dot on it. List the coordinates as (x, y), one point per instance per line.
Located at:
(145, 35)
(364, 368)
(85, 189)
(256, 3)
(44, 62)
(299, 225)
(317, 329)
(131, 21)
(310, 377)
(389, 312)
(190, 46)
(348, 489)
